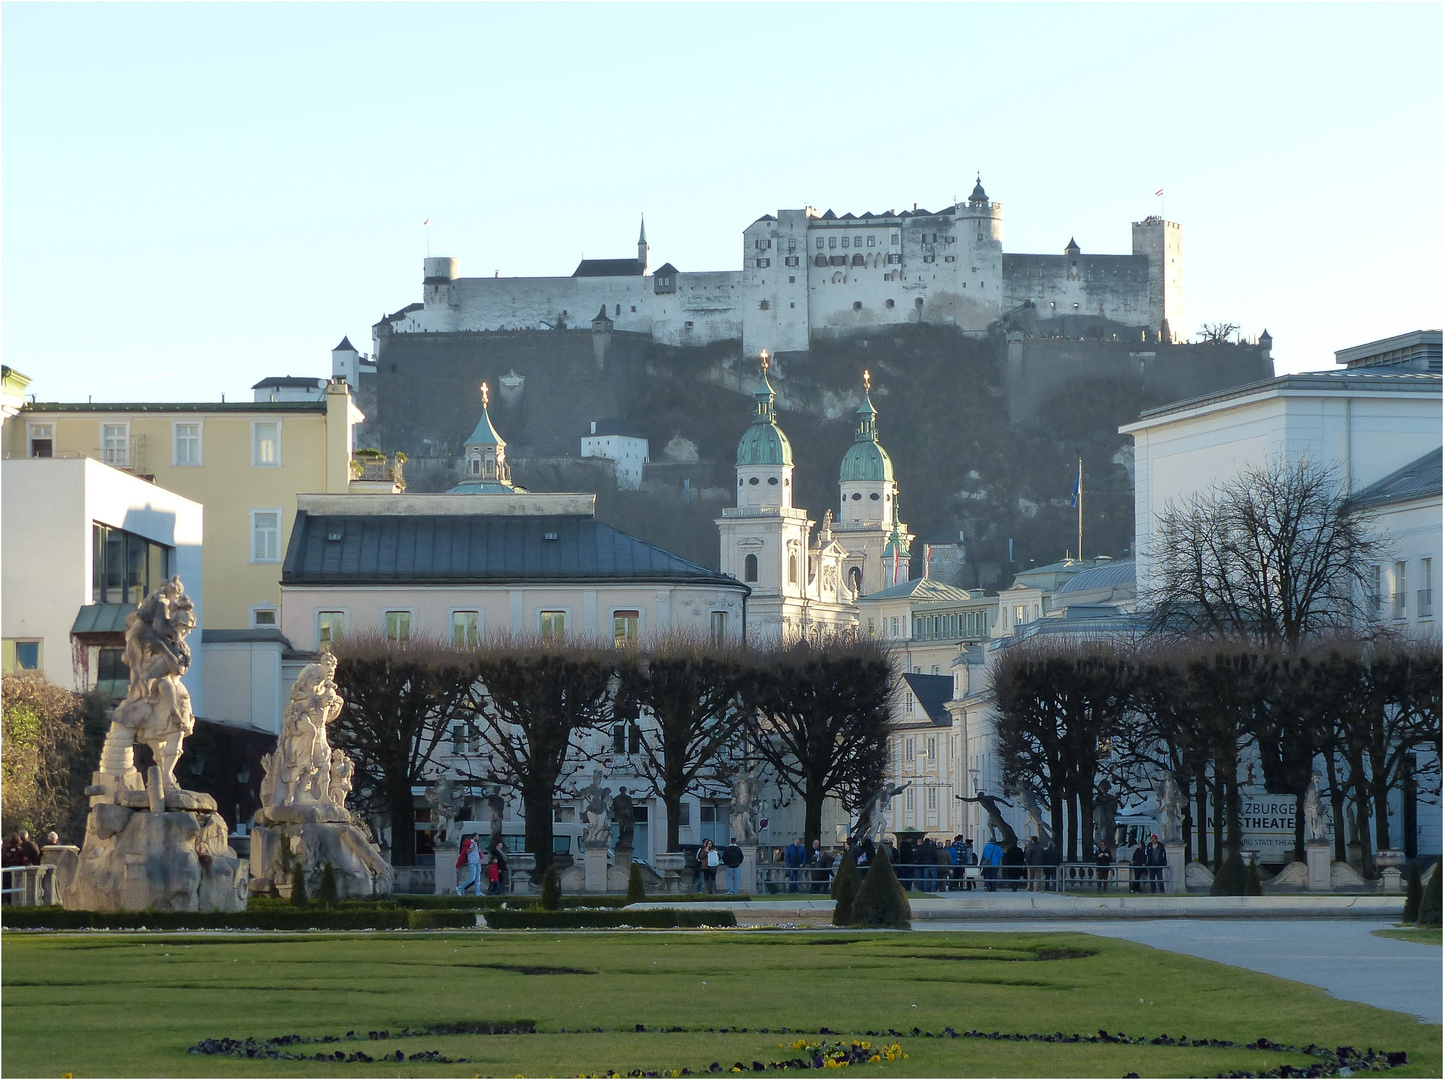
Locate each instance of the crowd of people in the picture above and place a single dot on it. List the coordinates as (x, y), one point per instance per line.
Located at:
(491, 868)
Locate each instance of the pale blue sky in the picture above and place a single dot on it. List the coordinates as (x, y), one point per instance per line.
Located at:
(196, 196)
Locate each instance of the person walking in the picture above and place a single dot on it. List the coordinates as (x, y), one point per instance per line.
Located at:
(469, 859)
(1014, 861)
(992, 859)
(926, 854)
(793, 857)
(969, 857)
(1052, 859)
(732, 859)
(1139, 862)
(1157, 863)
(711, 859)
(496, 870)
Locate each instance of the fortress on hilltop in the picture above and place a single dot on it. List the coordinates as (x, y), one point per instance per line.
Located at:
(807, 274)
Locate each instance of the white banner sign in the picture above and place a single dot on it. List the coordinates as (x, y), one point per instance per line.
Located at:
(1268, 823)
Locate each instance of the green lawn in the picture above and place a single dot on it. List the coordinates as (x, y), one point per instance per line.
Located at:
(1425, 935)
(130, 1005)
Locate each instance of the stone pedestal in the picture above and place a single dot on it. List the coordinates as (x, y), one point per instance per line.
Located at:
(521, 873)
(355, 862)
(1318, 858)
(620, 872)
(447, 873)
(596, 869)
(671, 865)
(1175, 877)
(749, 868)
(1391, 881)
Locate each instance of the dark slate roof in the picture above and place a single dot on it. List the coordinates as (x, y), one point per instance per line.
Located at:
(924, 590)
(1110, 575)
(1350, 380)
(345, 346)
(933, 693)
(101, 619)
(477, 549)
(1416, 480)
(665, 268)
(278, 381)
(260, 633)
(609, 268)
(615, 427)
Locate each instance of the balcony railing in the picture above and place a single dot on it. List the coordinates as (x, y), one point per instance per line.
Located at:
(1425, 600)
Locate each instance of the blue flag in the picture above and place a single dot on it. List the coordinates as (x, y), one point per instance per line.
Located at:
(1077, 487)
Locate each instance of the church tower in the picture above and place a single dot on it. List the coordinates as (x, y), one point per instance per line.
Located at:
(642, 249)
(868, 516)
(486, 469)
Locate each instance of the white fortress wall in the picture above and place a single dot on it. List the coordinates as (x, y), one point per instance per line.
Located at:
(1109, 286)
(705, 308)
(539, 303)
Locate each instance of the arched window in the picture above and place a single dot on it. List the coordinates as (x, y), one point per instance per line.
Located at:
(749, 568)
(792, 569)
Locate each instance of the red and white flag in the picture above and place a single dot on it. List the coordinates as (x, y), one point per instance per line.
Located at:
(1159, 192)
(428, 220)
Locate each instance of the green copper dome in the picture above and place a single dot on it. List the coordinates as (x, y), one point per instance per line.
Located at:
(866, 460)
(764, 442)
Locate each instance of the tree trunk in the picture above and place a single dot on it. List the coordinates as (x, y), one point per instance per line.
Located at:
(538, 799)
(1379, 790)
(1336, 802)
(403, 819)
(673, 803)
(1215, 795)
(812, 800)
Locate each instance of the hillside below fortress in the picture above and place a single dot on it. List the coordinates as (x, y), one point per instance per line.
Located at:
(808, 276)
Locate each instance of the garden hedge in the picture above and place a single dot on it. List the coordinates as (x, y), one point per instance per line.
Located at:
(655, 918)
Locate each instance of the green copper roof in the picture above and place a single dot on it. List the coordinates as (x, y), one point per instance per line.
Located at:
(764, 442)
(485, 434)
(866, 459)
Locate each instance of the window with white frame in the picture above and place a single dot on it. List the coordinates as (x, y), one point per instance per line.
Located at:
(187, 438)
(42, 440)
(397, 625)
(115, 445)
(266, 535)
(625, 625)
(266, 442)
(552, 626)
(1399, 607)
(910, 803)
(932, 748)
(717, 627)
(466, 629)
(330, 628)
(1425, 609)
(909, 750)
(264, 617)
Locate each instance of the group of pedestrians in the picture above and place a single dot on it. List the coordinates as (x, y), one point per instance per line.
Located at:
(492, 868)
(1148, 863)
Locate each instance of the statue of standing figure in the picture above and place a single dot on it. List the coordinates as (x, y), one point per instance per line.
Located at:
(301, 768)
(872, 818)
(444, 803)
(742, 812)
(1105, 814)
(1168, 808)
(596, 813)
(1315, 823)
(1029, 800)
(625, 817)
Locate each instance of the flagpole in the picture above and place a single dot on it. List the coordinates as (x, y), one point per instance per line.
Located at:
(1080, 510)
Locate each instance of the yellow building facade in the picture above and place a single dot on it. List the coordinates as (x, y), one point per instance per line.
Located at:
(243, 461)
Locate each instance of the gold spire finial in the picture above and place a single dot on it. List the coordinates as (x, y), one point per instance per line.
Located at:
(485, 395)
(765, 363)
(866, 379)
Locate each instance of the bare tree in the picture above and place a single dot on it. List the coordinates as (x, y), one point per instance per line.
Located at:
(536, 700)
(1271, 557)
(825, 709)
(1217, 333)
(400, 699)
(692, 690)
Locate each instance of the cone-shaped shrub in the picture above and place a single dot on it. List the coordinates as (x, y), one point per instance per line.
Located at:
(1252, 886)
(298, 886)
(328, 885)
(1413, 894)
(636, 891)
(551, 894)
(1232, 877)
(845, 885)
(1429, 903)
(881, 900)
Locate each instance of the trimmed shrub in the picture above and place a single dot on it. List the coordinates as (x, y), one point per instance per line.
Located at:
(636, 891)
(328, 886)
(551, 891)
(1252, 886)
(845, 884)
(1414, 894)
(656, 918)
(435, 920)
(881, 900)
(298, 886)
(280, 918)
(1429, 903)
(1231, 879)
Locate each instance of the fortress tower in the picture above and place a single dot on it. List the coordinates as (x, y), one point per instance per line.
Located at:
(1162, 242)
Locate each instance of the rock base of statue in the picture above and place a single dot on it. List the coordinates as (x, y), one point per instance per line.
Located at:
(749, 869)
(448, 874)
(138, 859)
(1175, 879)
(595, 863)
(1391, 880)
(620, 870)
(1318, 857)
(279, 842)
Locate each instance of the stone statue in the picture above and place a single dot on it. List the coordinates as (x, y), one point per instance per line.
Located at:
(303, 799)
(495, 809)
(1315, 823)
(595, 815)
(444, 805)
(998, 829)
(1029, 800)
(872, 818)
(1168, 808)
(625, 817)
(157, 707)
(149, 844)
(742, 814)
(1105, 814)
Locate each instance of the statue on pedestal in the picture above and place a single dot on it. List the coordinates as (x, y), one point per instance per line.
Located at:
(1168, 808)
(625, 816)
(444, 805)
(595, 815)
(148, 842)
(998, 829)
(872, 818)
(1029, 800)
(1105, 814)
(1315, 823)
(742, 813)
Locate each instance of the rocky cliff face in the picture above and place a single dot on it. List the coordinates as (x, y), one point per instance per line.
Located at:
(985, 434)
